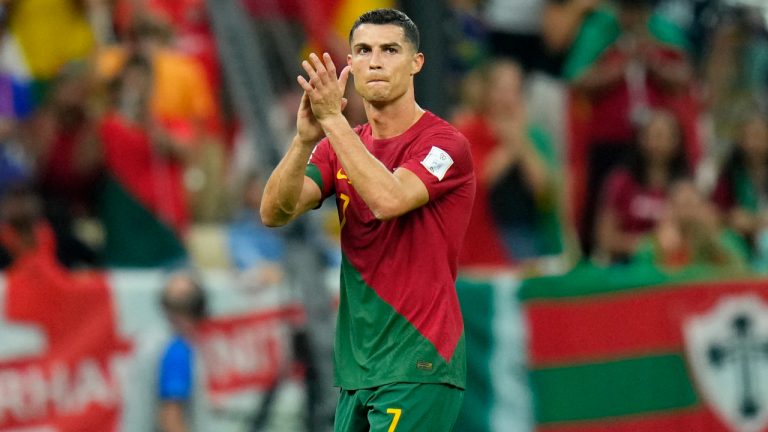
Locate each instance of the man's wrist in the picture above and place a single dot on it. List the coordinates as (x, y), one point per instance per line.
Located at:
(331, 122)
(310, 142)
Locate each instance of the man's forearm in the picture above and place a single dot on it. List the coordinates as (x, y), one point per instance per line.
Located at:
(377, 186)
(282, 192)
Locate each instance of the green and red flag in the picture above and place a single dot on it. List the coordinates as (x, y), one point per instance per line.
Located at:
(143, 202)
(635, 349)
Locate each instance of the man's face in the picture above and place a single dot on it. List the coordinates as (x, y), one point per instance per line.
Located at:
(383, 62)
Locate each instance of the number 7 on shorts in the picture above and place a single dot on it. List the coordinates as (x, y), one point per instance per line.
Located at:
(395, 418)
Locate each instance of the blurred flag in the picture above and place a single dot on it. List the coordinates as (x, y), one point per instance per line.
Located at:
(634, 349)
(44, 35)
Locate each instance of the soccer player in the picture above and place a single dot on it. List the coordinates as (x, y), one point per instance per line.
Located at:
(404, 187)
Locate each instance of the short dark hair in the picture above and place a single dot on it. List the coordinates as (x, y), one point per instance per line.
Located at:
(193, 304)
(389, 16)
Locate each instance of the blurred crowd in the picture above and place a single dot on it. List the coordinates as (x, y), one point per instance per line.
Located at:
(113, 122)
(616, 131)
(609, 131)
(619, 132)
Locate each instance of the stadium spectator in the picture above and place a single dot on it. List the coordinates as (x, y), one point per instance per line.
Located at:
(62, 137)
(625, 62)
(483, 248)
(180, 388)
(144, 203)
(181, 98)
(562, 20)
(192, 34)
(741, 192)
(690, 233)
(514, 164)
(634, 197)
(735, 75)
(25, 231)
(64, 134)
(182, 101)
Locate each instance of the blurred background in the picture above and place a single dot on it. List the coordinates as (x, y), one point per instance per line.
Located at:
(613, 274)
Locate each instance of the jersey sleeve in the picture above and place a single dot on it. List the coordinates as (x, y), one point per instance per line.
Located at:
(320, 168)
(442, 161)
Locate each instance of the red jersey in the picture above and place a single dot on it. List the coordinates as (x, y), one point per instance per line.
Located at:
(399, 318)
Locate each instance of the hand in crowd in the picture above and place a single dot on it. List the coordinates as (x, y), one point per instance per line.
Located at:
(746, 222)
(511, 132)
(690, 226)
(166, 144)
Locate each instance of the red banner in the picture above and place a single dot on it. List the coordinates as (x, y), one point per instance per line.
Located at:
(76, 379)
(74, 385)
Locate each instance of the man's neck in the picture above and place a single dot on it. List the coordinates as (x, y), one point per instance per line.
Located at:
(393, 119)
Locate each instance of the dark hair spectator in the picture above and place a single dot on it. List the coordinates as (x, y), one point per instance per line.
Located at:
(626, 62)
(742, 187)
(144, 204)
(517, 198)
(634, 197)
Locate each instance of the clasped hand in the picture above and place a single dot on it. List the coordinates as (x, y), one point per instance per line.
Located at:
(323, 96)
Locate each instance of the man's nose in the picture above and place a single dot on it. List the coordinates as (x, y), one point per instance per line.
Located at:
(375, 62)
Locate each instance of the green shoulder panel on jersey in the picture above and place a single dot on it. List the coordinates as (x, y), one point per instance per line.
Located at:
(313, 172)
(375, 345)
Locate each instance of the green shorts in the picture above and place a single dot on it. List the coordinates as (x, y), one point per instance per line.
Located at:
(399, 407)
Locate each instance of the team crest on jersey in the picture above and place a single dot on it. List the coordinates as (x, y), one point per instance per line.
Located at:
(437, 162)
(727, 348)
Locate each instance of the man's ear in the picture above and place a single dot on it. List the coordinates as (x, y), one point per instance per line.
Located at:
(417, 63)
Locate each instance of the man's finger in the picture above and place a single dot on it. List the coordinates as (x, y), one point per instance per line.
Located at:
(305, 102)
(343, 77)
(320, 69)
(310, 72)
(305, 85)
(344, 102)
(329, 64)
